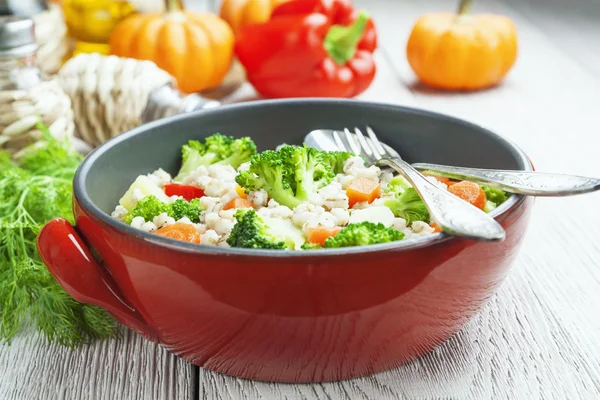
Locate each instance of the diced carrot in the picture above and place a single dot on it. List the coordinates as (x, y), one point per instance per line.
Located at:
(362, 189)
(238, 202)
(180, 231)
(470, 192)
(436, 227)
(241, 192)
(321, 233)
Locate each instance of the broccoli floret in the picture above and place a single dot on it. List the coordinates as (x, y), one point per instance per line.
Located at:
(311, 246)
(147, 208)
(181, 208)
(494, 195)
(216, 149)
(290, 175)
(337, 159)
(253, 232)
(397, 184)
(409, 206)
(150, 206)
(363, 233)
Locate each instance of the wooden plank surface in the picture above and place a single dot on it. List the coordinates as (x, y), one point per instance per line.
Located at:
(123, 368)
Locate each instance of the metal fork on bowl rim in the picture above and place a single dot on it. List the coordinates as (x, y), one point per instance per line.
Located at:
(528, 183)
(453, 215)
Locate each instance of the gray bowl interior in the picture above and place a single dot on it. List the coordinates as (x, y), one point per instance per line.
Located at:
(418, 136)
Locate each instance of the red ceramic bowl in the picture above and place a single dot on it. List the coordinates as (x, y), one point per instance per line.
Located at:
(274, 315)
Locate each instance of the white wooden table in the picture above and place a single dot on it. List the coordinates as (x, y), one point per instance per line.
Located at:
(539, 338)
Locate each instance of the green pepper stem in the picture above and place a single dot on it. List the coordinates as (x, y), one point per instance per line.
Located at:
(341, 41)
(464, 7)
(174, 5)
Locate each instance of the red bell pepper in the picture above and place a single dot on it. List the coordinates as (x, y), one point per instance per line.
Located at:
(188, 192)
(310, 48)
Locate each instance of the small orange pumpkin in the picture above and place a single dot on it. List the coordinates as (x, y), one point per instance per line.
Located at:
(239, 13)
(462, 51)
(197, 49)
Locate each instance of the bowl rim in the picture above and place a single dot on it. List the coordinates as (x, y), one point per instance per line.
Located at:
(85, 202)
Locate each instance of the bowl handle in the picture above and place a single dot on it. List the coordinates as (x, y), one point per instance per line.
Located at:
(75, 268)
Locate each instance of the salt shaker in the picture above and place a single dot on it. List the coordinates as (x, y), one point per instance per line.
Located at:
(27, 97)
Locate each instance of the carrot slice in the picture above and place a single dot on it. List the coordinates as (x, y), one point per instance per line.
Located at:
(241, 192)
(180, 231)
(238, 202)
(470, 192)
(362, 189)
(321, 233)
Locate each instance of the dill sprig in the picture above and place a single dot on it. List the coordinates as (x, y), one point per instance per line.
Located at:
(34, 190)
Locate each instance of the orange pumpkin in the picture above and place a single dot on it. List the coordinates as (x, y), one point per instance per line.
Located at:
(239, 13)
(462, 51)
(197, 49)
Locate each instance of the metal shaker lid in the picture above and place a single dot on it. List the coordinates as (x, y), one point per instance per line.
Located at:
(17, 36)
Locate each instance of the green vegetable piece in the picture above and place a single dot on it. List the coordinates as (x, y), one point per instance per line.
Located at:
(337, 159)
(181, 208)
(311, 246)
(409, 206)
(147, 187)
(489, 206)
(150, 207)
(397, 184)
(497, 196)
(147, 208)
(216, 149)
(290, 175)
(253, 232)
(363, 233)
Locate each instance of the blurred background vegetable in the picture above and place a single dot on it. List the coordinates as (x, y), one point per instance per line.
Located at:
(197, 49)
(310, 48)
(462, 51)
(239, 13)
(91, 22)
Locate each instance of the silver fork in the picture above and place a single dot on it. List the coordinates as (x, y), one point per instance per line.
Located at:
(528, 183)
(452, 214)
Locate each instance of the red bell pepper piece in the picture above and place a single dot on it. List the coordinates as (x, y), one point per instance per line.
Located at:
(310, 48)
(186, 191)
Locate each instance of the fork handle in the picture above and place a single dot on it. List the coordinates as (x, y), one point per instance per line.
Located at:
(452, 214)
(519, 182)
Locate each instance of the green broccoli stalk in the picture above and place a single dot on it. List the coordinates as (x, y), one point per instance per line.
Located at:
(311, 169)
(216, 149)
(494, 197)
(290, 175)
(409, 206)
(150, 207)
(363, 233)
(253, 232)
(397, 184)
